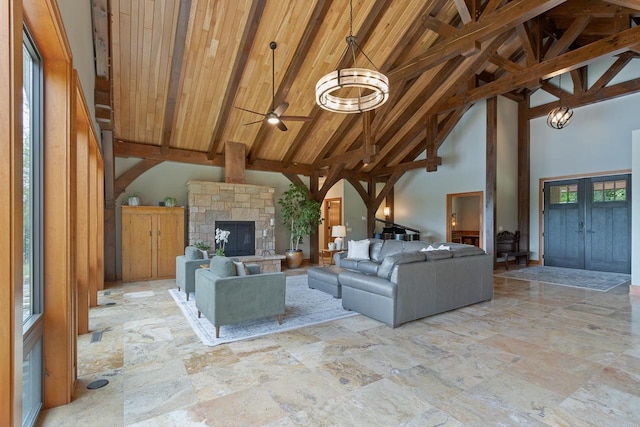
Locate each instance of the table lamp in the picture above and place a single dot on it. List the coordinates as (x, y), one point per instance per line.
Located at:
(338, 231)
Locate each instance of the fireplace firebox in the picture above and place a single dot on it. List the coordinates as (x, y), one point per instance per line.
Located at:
(242, 237)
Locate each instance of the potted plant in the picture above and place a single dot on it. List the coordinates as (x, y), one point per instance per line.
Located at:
(133, 199)
(300, 215)
(204, 248)
(222, 238)
(170, 201)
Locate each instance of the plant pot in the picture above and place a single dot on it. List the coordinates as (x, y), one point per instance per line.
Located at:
(294, 257)
(133, 201)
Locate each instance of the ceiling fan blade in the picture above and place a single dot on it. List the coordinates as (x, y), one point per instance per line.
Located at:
(296, 118)
(252, 123)
(281, 126)
(281, 109)
(250, 111)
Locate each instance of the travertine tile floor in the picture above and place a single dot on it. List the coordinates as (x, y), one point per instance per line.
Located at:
(535, 355)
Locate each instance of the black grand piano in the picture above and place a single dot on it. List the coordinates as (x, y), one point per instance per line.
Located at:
(393, 231)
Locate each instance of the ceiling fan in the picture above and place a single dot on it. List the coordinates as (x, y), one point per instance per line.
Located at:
(275, 115)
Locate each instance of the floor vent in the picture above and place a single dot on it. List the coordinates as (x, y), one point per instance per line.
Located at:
(96, 337)
(109, 304)
(97, 384)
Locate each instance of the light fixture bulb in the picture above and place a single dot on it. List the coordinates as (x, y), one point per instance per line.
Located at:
(273, 120)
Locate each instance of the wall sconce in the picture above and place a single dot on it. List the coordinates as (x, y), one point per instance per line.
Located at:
(453, 219)
(387, 211)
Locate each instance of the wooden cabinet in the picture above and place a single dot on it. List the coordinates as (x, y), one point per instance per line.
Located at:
(152, 237)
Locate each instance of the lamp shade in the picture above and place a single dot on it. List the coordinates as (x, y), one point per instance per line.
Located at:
(338, 231)
(386, 211)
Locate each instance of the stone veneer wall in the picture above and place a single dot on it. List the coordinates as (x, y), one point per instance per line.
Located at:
(211, 201)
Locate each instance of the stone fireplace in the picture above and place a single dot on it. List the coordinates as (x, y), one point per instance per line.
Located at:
(209, 202)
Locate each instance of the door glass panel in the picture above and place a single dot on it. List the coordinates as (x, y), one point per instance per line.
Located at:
(610, 191)
(560, 194)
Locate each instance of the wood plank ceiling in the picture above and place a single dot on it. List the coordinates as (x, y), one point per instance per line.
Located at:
(178, 69)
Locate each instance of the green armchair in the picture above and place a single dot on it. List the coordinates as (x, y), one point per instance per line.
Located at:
(186, 266)
(226, 298)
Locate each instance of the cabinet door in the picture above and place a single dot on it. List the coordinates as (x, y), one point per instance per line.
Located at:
(137, 247)
(170, 234)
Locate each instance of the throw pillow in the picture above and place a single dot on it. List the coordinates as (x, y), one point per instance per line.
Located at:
(222, 266)
(241, 269)
(358, 249)
(191, 252)
(428, 249)
(444, 248)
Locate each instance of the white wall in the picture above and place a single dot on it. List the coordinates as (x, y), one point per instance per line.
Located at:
(420, 198)
(76, 16)
(354, 211)
(598, 140)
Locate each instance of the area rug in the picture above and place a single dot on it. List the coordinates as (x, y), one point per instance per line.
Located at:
(586, 279)
(303, 307)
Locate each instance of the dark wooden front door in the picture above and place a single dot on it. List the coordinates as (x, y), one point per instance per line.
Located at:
(587, 223)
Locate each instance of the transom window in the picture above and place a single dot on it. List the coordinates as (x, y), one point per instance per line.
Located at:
(561, 194)
(610, 191)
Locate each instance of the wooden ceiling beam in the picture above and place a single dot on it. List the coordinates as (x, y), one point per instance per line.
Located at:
(508, 16)
(570, 35)
(459, 75)
(100, 19)
(363, 34)
(131, 174)
(590, 97)
(239, 65)
(357, 185)
(505, 63)
(613, 71)
(524, 35)
(174, 75)
(463, 11)
(320, 11)
(580, 57)
(631, 4)
(146, 151)
(332, 177)
(579, 78)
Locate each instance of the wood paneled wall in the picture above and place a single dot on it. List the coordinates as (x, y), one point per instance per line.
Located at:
(10, 213)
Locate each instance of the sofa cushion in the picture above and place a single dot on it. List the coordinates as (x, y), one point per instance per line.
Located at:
(222, 266)
(415, 245)
(437, 254)
(191, 252)
(358, 249)
(385, 269)
(391, 247)
(374, 249)
(368, 267)
(348, 263)
(468, 250)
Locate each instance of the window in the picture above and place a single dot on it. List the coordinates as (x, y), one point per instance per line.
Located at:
(610, 191)
(561, 194)
(32, 366)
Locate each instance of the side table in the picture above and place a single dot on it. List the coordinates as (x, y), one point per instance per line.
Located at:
(323, 252)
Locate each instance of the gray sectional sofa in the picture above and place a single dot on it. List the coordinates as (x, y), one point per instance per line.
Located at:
(400, 282)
